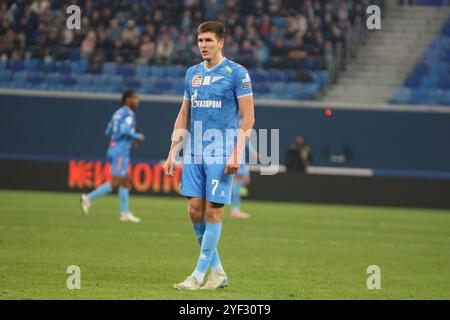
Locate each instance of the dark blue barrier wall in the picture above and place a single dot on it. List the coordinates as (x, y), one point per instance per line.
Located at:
(73, 127)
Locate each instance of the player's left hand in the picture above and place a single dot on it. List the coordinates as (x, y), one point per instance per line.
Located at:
(134, 145)
(232, 166)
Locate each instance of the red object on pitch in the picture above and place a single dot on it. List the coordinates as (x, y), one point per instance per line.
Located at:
(328, 112)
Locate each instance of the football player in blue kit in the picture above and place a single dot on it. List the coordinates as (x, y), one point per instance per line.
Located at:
(217, 90)
(122, 135)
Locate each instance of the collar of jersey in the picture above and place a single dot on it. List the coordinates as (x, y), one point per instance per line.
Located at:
(126, 107)
(208, 70)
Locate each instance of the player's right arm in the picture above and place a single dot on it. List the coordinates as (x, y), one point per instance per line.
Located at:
(109, 130)
(178, 135)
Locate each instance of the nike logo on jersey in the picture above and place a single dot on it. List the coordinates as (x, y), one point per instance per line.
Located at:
(214, 79)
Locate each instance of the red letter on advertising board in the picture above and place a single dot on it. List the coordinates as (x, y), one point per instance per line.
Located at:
(142, 177)
(102, 173)
(80, 174)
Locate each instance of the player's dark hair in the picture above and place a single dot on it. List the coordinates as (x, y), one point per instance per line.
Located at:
(212, 26)
(127, 94)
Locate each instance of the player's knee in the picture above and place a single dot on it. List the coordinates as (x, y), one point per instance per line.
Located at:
(115, 182)
(195, 213)
(214, 214)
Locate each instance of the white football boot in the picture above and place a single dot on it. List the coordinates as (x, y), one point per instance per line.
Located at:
(215, 281)
(129, 217)
(85, 204)
(190, 283)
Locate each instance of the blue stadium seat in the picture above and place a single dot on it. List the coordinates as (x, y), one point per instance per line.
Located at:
(261, 87)
(52, 79)
(421, 69)
(115, 81)
(126, 70)
(67, 80)
(444, 82)
(413, 81)
(132, 83)
(279, 88)
(99, 80)
(142, 70)
(17, 65)
(258, 75)
(31, 64)
(63, 67)
(157, 71)
(84, 80)
(276, 75)
(430, 81)
(79, 66)
(320, 77)
(109, 68)
(5, 77)
(36, 78)
(293, 88)
(20, 78)
(178, 85)
(47, 66)
(419, 96)
(402, 95)
(3, 65)
(310, 90)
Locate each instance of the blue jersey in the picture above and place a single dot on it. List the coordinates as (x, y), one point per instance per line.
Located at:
(121, 131)
(213, 95)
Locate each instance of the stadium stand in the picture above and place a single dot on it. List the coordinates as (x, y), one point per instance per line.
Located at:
(429, 82)
(287, 46)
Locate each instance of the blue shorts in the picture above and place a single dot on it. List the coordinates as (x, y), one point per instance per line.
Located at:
(244, 170)
(119, 164)
(206, 181)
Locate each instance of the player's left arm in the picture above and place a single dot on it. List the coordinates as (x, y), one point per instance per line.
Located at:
(127, 128)
(247, 111)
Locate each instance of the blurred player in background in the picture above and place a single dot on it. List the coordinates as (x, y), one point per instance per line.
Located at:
(241, 182)
(216, 91)
(121, 131)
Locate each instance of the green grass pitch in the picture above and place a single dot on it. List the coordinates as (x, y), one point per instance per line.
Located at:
(285, 251)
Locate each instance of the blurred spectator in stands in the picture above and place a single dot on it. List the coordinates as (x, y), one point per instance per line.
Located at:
(182, 50)
(297, 54)
(95, 65)
(164, 50)
(88, 45)
(246, 54)
(300, 24)
(260, 54)
(130, 35)
(308, 10)
(26, 23)
(278, 53)
(7, 41)
(113, 30)
(298, 155)
(264, 26)
(328, 52)
(186, 22)
(146, 50)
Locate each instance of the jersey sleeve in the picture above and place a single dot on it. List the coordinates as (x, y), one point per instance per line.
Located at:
(127, 127)
(108, 131)
(187, 90)
(242, 83)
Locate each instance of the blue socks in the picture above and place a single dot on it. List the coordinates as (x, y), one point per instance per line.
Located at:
(123, 199)
(236, 195)
(100, 191)
(210, 240)
(106, 188)
(216, 264)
